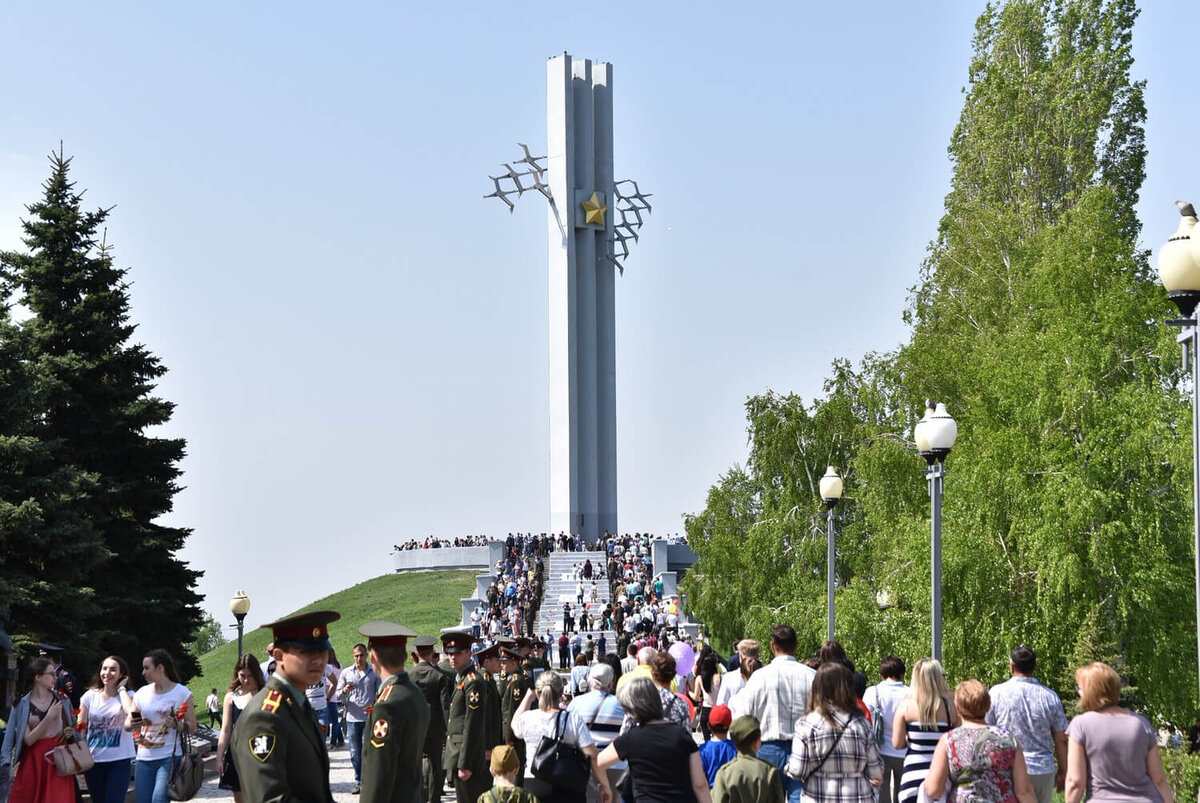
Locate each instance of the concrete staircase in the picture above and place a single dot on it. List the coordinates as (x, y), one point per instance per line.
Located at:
(560, 587)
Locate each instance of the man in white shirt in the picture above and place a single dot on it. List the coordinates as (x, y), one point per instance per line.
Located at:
(885, 699)
(777, 696)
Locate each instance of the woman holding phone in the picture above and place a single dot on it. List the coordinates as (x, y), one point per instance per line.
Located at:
(104, 711)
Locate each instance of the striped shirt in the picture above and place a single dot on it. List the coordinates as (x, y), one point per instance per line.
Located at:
(777, 696)
(601, 709)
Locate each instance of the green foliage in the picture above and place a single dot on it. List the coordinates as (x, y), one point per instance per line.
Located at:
(1183, 772)
(424, 601)
(105, 482)
(207, 636)
(1067, 511)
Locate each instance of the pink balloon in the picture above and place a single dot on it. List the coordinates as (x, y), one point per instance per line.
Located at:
(684, 655)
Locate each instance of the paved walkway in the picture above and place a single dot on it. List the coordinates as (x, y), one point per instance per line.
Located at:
(341, 780)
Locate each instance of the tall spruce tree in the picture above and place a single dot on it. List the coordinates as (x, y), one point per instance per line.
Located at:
(1067, 518)
(47, 543)
(95, 414)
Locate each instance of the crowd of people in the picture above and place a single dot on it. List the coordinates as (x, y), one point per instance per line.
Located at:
(441, 543)
(125, 732)
(662, 717)
(512, 600)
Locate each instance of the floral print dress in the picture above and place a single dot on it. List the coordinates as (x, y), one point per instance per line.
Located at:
(981, 765)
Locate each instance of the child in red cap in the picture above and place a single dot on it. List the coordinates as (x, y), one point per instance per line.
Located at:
(718, 750)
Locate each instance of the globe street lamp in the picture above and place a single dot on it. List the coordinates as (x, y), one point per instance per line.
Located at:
(935, 434)
(239, 606)
(831, 492)
(1179, 270)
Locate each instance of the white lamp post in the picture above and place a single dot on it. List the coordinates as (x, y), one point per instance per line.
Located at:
(935, 434)
(831, 492)
(239, 606)
(1179, 270)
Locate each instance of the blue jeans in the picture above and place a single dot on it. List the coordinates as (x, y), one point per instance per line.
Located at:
(108, 781)
(150, 780)
(777, 753)
(323, 718)
(354, 738)
(335, 725)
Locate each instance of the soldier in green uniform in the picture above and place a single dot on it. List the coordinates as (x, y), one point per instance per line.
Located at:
(747, 778)
(278, 745)
(395, 734)
(534, 660)
(512, 691)
(467, 730)
(438, 690)
(488, 660)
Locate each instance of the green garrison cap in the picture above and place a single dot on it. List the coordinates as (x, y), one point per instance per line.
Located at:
(382, 633)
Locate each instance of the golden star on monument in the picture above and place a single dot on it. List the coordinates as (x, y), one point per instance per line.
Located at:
(593, 210)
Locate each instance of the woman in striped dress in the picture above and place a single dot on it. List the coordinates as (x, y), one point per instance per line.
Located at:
(922, 718)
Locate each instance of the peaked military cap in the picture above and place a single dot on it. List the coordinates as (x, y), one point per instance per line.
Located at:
(306, 631)
(488, 652)
(425, 641)
(456, 640)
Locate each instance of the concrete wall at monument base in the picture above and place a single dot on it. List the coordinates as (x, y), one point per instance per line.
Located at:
(455, 557)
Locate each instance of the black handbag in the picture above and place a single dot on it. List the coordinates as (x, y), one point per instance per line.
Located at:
(563, 766)
(187, 770)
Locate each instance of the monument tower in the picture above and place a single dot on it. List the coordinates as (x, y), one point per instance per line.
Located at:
(590, 220)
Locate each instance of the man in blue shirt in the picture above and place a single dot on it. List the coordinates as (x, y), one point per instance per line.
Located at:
(1033, 714)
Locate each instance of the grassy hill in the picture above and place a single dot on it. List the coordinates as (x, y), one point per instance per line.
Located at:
(424, 601)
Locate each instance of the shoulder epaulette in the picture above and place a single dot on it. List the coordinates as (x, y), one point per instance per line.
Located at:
(271, 702)
(384, 693)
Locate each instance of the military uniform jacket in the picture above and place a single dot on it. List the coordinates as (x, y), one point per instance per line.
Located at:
(747, 779)
(512, 692)
(438, 690)
(468, 730)
(279, 750)
(393, 743)
(495, 734)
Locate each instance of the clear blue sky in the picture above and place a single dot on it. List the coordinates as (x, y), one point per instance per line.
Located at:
(357, 341)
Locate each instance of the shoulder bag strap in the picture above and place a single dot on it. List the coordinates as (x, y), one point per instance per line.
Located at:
(596, 713)
(825, 757)
(558, 722)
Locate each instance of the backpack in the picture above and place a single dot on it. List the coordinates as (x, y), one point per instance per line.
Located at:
(876, 718)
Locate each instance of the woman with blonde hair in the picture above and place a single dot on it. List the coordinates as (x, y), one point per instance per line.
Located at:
(983, 763)
(922, 718)
(1112, 753)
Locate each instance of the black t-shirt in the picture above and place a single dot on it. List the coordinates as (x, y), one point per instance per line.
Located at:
(659, 756)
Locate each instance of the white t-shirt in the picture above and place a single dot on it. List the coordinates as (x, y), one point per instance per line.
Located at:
(158, 739)
(535, 723)
(316, 695)
(888, 696)
(106, 734)
(731, 684)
